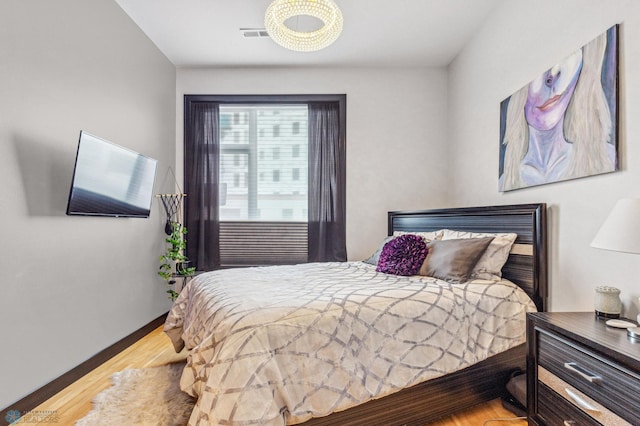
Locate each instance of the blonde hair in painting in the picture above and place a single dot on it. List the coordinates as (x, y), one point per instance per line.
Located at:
(588, 119)
(516, 139)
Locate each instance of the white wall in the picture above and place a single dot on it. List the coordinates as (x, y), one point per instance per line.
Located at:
(72, 286)
(521, 40)
(396, 134)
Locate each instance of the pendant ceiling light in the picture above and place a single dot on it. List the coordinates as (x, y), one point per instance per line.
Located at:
(280, 11)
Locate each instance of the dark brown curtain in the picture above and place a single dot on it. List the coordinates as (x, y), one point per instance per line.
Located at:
(201, 171)
(327, 184)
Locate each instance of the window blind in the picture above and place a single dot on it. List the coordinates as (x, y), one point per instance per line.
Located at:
(262, 243)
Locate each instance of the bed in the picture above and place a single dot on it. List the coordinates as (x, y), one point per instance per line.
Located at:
(247, 366)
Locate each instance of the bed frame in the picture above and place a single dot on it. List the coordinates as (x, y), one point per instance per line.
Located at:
(526, 267)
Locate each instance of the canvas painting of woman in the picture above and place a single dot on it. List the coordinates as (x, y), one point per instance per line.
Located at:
(563, 124)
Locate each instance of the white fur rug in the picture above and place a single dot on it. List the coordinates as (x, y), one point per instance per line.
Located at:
(148, 396)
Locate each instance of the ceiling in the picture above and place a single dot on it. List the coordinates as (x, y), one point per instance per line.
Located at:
(407, 33)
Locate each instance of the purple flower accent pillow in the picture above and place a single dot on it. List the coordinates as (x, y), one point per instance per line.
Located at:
(403, 255)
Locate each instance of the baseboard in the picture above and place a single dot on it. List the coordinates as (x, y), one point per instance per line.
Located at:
(29, 402)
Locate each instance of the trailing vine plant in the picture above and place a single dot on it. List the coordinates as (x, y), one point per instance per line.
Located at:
(174, 263)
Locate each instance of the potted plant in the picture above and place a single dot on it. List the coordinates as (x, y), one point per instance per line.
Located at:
(173, 263)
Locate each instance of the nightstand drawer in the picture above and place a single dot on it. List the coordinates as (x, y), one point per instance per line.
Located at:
(615, 387)
(555, 410)
(579, 401)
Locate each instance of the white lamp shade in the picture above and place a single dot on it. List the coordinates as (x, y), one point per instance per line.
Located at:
(621, 230)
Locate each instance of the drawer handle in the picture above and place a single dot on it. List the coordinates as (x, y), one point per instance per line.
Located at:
(575, 368)
(581, 402)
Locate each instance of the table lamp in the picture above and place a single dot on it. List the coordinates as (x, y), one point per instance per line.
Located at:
(621, 230)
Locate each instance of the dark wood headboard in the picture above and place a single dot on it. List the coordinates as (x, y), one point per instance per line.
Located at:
(527, 263)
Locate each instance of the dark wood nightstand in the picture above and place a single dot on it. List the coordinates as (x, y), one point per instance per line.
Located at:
(580, 371)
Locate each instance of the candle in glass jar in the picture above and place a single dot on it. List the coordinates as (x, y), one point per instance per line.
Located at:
(607, 302)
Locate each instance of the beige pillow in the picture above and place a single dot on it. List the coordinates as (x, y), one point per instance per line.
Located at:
(489, 266)
(453, 260)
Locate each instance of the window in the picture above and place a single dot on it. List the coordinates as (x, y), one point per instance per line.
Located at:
(248, 173)
(273, 211)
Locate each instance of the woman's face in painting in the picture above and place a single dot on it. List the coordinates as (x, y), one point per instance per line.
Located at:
(550, 93)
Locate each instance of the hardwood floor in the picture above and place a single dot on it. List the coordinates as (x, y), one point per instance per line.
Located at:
(74, 402)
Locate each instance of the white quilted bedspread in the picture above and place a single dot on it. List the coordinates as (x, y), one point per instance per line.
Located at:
(282, 344)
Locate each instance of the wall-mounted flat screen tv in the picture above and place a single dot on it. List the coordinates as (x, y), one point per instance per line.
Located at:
(109, 180)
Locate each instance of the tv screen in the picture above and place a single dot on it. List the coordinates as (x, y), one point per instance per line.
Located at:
(109, 180)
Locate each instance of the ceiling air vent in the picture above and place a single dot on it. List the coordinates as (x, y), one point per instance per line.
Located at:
(254, 32)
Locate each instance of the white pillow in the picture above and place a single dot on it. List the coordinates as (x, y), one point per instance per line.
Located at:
(489, 266)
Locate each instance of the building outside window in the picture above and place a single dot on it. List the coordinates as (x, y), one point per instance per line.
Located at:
(244, 139)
